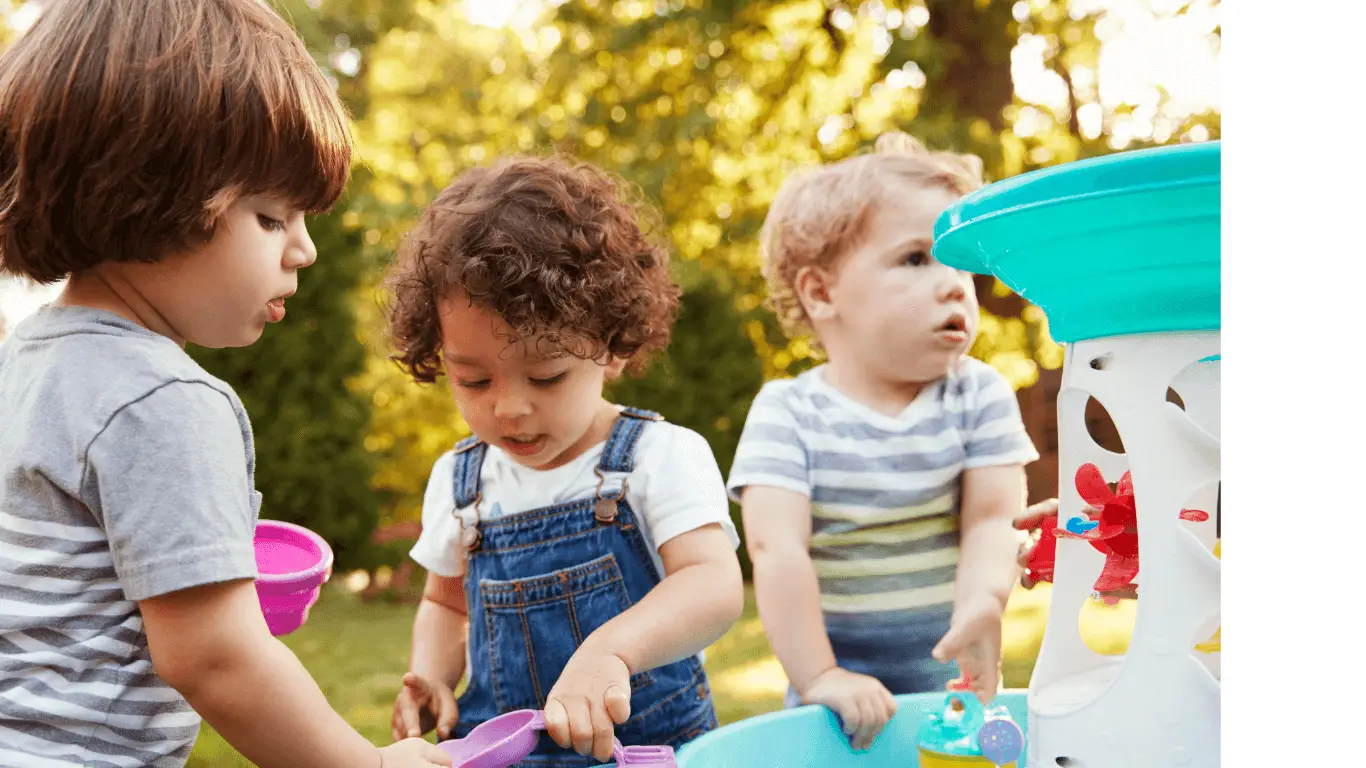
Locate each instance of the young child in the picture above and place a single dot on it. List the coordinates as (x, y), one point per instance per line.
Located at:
(580, 554)
(161, 154)
(879, 489)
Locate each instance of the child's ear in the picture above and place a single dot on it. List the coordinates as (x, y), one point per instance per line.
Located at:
(614, 367)
(813, 291)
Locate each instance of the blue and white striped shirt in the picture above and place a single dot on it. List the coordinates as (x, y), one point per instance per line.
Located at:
(884, 489)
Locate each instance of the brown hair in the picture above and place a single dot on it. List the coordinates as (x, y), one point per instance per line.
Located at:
(554, 247)
(128, 126)
(819, 216)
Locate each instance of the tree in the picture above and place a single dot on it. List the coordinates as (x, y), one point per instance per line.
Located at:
(708, 106)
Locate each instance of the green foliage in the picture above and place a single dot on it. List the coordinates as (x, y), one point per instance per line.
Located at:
(312, 467)
(707, 377)
(708, 107)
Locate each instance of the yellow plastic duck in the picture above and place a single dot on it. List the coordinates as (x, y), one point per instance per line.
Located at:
(1212, 645)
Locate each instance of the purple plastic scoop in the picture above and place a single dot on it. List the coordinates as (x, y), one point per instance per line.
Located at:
(508, 739)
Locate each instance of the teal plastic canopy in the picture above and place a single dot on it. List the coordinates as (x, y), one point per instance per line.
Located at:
(1122, 244)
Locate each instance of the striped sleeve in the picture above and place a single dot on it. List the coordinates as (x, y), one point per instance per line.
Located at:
(996, 433)
(771, 451)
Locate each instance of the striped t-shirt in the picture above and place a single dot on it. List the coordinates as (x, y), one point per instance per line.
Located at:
(884, 489)
(125, 473)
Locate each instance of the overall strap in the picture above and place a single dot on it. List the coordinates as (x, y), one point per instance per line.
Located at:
(469, 460)
(619, 455)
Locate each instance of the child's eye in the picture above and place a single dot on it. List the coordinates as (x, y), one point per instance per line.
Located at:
(917, 258)
(269, 224)
(548, 382)
(478, 384)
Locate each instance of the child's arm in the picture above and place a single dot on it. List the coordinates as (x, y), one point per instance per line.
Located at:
(988, 544)
(438, 661)
(778, 531)
(987, 572)
(993, 494)
(700, 597)
(211, 644)
(778, 535)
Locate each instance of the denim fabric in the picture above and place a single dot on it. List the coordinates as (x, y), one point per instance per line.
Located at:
(893, 647)
(541, 581)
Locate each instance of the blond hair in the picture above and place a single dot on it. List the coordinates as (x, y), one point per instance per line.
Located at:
(820, 215)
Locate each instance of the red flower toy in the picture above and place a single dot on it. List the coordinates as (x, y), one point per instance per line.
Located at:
(1113, 529)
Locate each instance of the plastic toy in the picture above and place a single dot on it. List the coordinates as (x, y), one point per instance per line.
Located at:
(1040, 563)
(1122, 254)
(951, 736)
(508, 739)
(810, 736)
(1214, 644)
(293, 563)
(1111, 526)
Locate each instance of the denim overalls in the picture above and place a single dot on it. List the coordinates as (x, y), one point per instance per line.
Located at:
(538, 582)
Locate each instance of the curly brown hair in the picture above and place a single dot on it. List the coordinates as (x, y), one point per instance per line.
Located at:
(566, 253)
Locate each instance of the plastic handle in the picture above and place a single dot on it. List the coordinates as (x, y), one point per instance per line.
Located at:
(644, 757)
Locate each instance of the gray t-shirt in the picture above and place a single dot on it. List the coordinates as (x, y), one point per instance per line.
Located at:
(126, 472)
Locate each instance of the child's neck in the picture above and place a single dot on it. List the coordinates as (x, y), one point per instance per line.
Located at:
(98, 290)
(861, 385)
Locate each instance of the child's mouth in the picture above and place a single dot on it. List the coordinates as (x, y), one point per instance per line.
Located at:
(276, 308)
(524, 445)
(954, 330)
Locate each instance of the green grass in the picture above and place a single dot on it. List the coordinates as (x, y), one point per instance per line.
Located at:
(358, 652)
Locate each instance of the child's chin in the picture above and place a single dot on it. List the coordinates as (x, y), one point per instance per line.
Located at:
(228, 339)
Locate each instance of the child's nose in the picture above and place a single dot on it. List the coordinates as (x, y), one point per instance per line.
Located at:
(301, 252)
(511, 405)
(953, 285)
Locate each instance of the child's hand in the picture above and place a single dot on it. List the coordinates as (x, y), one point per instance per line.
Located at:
(974, 641)
(412, 753)
(1031, 520)
(422, 704)
(592, 694)
(863, 703)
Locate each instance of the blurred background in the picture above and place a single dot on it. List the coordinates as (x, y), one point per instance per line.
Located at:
(706, 106)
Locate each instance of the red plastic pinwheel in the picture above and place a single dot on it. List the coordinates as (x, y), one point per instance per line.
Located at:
(1113, 525)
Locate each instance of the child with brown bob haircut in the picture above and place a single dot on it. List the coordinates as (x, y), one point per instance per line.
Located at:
(160, 155)
(580, 554)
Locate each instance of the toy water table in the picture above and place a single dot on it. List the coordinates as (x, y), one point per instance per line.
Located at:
(292, 563)
(1122, 255)
(811, 736)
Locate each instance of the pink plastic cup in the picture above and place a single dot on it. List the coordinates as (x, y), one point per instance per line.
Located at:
(293, 564)
(508, 739)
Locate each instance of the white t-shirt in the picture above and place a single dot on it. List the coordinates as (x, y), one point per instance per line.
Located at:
(676, 487)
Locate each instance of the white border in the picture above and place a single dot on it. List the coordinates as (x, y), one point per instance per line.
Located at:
(1294, 332)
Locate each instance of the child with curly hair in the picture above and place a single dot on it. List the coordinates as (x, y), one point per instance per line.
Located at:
(161, 156)
(580, 554)
(878, 490)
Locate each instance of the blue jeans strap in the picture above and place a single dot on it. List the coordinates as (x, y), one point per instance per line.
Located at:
(619, 455)
(469, 460)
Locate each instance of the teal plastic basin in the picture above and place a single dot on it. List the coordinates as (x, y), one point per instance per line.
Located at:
(810, 737)
(1121, 244)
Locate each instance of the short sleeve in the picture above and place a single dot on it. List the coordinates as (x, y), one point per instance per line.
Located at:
(996, 433)
(771, 451)
(683, 486)
(436, 548)
(168, 478)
